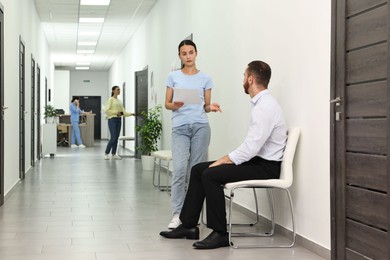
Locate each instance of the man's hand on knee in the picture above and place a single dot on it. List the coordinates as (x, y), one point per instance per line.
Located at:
(223, 160)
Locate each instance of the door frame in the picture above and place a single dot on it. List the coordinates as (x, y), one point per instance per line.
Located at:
(22, 108)
(138, 119)
(46, 92)
(124, 118)
(95, 110)
(33, 114)
(39, 150)
(2, 104)
(338, 143)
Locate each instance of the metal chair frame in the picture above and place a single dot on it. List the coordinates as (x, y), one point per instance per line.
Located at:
(159, 156)
(283, 183)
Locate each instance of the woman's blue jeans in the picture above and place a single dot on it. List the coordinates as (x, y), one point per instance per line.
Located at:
(114, 125)
(189, 146)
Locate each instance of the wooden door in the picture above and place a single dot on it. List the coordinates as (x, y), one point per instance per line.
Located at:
(124, 118)
(360, 176)
(93, 103)
(141, 102)
(22, 110)
(33, 113)
(39, 145)
(2, 108)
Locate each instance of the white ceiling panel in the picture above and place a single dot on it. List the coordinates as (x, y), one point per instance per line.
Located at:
(60, 20)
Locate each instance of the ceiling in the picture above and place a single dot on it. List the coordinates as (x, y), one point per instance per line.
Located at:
(64, 32)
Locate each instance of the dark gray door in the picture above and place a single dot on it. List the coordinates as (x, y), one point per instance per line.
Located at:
(2, 106)
(141, 101)
(360, 171)
(22, 109)
(124, 118)
(38, 113)
(32, 111)
(88, 103)
(47, 99)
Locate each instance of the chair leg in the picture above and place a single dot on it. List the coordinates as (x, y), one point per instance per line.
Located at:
(257, 234)
(168, 187)
(169, 173)
(292, 217)
(267, 234)
(202, 214)
(270, 196)
(154, 172)
(244, 224)
(157, 162)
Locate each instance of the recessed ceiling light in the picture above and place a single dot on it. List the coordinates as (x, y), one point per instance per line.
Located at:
(94, 2)
(89, 33)
(82, 68)
(86, 51)
(86, 43)
(91, 20)
(83, 63)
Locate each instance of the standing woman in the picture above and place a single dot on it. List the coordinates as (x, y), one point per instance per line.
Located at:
(75, 112)
(190, 126)
(114, 110)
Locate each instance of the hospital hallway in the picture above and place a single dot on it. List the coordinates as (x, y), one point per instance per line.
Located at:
(78, 206)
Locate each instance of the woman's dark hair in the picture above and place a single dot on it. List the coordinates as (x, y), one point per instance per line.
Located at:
(261, 71)
(112, 90)
(75, 98)
(186, 42)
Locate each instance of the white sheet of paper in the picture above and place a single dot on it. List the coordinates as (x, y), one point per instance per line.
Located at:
(188, 96)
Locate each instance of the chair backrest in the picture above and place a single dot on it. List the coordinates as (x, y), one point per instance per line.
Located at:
(286, 172)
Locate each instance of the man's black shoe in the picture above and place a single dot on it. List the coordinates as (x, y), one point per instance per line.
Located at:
(214, 240)
(182, 232)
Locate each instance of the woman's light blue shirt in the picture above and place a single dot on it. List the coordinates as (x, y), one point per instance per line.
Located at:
(74, 113)
(194, 113)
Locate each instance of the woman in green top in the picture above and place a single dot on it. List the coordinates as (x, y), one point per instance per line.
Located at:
(114, 110)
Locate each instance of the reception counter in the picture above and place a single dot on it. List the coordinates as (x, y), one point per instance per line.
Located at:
(86, 125)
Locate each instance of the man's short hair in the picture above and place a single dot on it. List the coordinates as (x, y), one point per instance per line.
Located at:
(261, 71)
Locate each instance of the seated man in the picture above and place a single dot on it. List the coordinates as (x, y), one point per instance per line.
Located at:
(258, 157)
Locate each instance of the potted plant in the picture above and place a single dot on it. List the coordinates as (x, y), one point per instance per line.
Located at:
(50, 113)
(149, 132)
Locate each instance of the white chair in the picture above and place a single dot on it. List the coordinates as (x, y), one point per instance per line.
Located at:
(283, 183)
(159, 157)
(124, 138)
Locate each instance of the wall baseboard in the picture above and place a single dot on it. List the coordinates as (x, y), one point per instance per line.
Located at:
(16, 185)
(302, 241)
(11, 191)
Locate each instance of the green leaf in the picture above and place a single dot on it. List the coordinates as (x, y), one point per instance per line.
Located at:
(150, 130)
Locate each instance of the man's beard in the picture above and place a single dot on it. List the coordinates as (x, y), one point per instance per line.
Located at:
(246, 86)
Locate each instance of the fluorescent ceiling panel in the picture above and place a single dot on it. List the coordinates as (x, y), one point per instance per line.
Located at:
(86, 43)
(89, 33)
(91, 20)
(94, 2)
(86, 51)
(82, 68)
(83, 63)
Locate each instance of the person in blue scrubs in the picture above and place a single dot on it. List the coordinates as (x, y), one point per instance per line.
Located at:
(75, 112)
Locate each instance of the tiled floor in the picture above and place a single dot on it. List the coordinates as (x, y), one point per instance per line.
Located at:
(77, 206)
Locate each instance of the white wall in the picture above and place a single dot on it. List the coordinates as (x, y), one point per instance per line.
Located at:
(61, 90)
(97, 86)
(293, 37)
(35, 42)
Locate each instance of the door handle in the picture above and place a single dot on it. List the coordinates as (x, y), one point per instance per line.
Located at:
(4, 108)
(336, 101)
